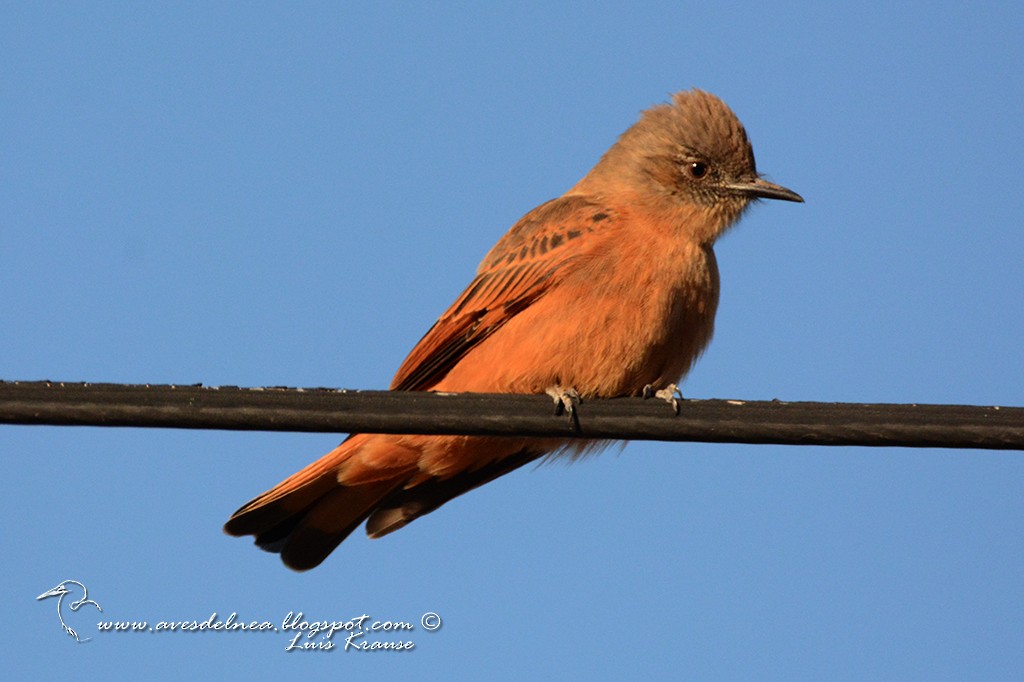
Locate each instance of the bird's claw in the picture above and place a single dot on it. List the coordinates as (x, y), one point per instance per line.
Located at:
(670, 394)
(566, 401)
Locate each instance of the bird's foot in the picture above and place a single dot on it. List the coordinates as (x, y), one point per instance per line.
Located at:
(566, 401)
(74, 634)
(670, 394)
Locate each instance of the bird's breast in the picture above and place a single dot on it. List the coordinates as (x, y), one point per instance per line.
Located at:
(624, 316)
(656, 312)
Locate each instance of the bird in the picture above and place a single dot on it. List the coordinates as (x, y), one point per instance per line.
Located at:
(60, 591)
(608, 290)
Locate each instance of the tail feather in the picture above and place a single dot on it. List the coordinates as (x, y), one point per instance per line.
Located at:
(406, 504)
(273, 510)
(307, 524)
(271, 517)
(306, 516)
(329, 521)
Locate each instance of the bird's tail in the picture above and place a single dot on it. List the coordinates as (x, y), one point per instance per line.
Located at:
(372, 478)
(307, 515)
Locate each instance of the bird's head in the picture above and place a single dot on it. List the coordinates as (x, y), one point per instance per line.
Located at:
(693, 151)
(58, 591)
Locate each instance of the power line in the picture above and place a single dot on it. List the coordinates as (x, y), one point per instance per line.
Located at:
(344, 411)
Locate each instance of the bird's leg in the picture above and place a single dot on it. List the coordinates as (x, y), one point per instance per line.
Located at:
(566, 401)
(670, 394)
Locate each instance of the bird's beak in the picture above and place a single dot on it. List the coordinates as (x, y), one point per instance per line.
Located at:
(760, 188)
(55, 592)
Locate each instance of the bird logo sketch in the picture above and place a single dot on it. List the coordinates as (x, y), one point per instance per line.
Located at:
(609, 290)
(62, 590)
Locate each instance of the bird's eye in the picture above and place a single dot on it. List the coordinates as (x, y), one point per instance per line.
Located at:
(697, 169)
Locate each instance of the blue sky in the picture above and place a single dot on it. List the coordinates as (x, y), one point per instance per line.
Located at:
(289, 195)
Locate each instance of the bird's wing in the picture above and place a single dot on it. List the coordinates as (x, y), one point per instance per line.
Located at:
(521, 267)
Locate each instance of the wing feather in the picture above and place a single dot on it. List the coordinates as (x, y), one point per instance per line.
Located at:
(520, 268)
